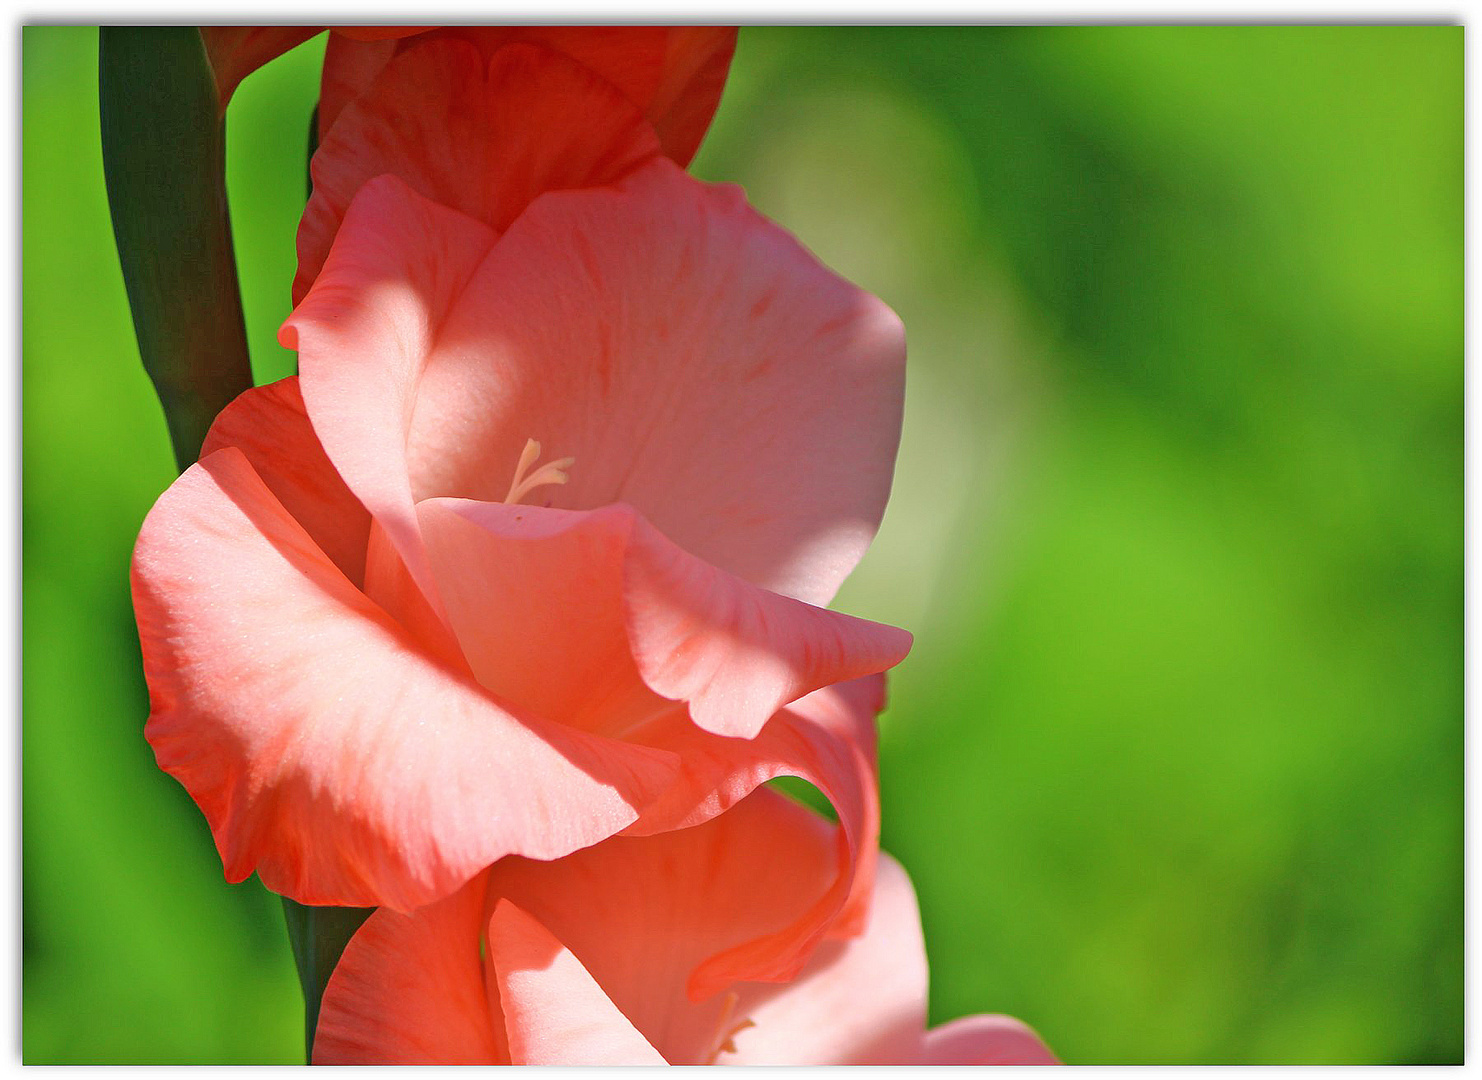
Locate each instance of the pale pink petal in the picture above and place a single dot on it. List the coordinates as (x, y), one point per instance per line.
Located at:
(858, 1002)
(641, 913)
(483, 137)
(986, 1040)
(827, 739)
(363, 334)
(269, 425)
(693, 359)
(237, 51)
(554, 1012)
(409, 990)
(566, 611)
(327, 752)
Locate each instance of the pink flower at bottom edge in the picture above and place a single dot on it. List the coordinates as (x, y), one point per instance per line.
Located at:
(587, 960)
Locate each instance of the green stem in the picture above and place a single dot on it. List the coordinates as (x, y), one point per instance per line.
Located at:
(318, 936)
(164, 163)
(164, 156)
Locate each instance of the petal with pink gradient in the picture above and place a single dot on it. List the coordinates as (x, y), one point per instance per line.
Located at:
(269, 425)
(986, 1040)
(694, 361)
(642, 913)
(587, 957)
(857, 1002)
(554, 1012)
(363, 334)
(596, 618)
(327, 752)
(827, 739)
(409, 990)
(481, 136)
(539, 610)
(690, 356)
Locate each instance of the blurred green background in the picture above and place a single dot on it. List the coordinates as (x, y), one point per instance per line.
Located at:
(1176, 764)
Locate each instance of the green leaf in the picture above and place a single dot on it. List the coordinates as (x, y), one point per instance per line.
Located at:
(164, 147)
(318, 936)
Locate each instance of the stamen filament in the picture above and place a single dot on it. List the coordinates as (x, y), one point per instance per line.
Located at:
(552, 472)
(726, 1032)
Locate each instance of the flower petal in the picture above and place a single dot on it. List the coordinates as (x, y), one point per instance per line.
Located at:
(564, 611)
(327, 752)
(269, 425)
(858, 1002)
(641, 913)
(696, 63)
(237, 51)
(696, 362)
(826, 739)
(986, 1040)
(363, 334)
(409, 990)
(554, 1012)
(483, 137)
(693, 359)
(351, 64)
(673, 75)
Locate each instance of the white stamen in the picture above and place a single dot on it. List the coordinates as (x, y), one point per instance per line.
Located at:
(552, 472)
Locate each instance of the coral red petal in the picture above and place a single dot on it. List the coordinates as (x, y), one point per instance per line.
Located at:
(673, 75)
(986, 1040)
(237, 51)
(363, 335)
(858, 1002)
(269, 425)
(483, 137)
(351, 64)
(328, 752)
(554, 1012)
(380, 33)
(641, 913)
(696, 62)
(827, 739)
(566, 611)
(693, 359)
(409, 990)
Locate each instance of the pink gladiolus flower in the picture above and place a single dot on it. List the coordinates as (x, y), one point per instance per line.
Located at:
(589, 960)
(530, 553)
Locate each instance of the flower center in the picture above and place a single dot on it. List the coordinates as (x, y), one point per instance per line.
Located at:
(552, 472)
(727, 1028)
